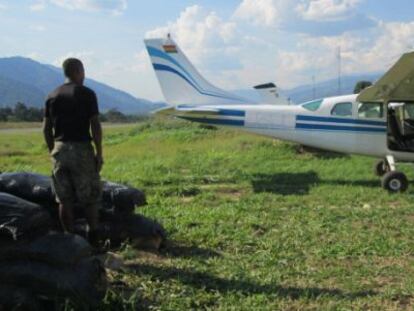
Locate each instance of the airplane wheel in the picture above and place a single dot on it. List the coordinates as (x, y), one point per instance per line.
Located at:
(381, 168)
(395, 182)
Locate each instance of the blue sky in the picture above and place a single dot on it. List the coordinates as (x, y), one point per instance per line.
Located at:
(236, 44)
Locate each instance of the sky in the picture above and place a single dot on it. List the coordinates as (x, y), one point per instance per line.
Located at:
(235, 44)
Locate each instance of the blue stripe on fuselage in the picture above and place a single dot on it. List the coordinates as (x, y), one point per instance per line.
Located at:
(233, 113)
(306, 126)
(340, 120)
(214, 121)
(222, 112)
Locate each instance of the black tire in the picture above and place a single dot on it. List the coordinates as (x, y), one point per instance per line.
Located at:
(381, 168)
(395, 182)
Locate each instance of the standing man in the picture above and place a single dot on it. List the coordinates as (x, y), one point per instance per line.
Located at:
(71, 116)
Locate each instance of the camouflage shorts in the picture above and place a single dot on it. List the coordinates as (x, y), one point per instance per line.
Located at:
(75, 177)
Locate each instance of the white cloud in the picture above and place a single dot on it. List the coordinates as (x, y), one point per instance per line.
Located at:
(115, 7)
(39, 5)
(204, 36)
(263, 12)
(305, 16)
(3, 6)
(393, 39)
(373, 51)
(87, 58)
(37, 28)
(33, 55)
(327, 10)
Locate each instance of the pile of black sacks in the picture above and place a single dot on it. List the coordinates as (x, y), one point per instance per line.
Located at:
(39, 263)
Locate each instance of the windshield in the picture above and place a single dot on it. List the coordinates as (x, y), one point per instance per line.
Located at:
(313, 105)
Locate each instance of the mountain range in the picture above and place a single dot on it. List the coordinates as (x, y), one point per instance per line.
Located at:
(27, 81)
(321, 89)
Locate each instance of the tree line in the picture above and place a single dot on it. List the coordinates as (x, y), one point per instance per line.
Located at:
(22, 113)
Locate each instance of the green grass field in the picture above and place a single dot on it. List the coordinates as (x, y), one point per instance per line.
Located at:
(253, 223)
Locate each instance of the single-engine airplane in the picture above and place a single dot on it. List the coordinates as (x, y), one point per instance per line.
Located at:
(379, 122)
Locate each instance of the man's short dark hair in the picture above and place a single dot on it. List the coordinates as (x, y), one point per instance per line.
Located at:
(71, 66)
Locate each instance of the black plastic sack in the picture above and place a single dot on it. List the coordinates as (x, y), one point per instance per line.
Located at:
(140, 231)
(38, 189)
(84, 284)
(56, 249)
(31, 187)
(12, 298)
(120, 198)
(21, 219)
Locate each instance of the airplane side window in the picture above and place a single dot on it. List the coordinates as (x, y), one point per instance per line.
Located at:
(313, 105)
(370, 110)
(342, 110)
(409, 110)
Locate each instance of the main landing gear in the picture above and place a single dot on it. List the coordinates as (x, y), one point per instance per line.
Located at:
(392, 180)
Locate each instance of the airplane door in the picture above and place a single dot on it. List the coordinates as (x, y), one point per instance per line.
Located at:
(345, 112)
(401, 126)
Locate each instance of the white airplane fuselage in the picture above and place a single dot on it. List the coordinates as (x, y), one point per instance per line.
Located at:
(320, 129)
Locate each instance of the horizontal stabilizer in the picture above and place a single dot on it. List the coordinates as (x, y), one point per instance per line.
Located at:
(270, 94)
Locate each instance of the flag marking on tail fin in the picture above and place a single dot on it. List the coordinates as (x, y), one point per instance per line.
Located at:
(170, 48)
(184, 75)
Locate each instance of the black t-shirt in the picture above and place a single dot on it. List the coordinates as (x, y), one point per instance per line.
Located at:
(70, 108)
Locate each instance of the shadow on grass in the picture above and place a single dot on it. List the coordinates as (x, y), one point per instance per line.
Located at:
(212, 283)
(300, 183)
(319, 153)
(362, 183)
(285, 183)
(182, 251)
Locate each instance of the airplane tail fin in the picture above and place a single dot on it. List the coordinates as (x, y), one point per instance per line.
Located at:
(180, 81)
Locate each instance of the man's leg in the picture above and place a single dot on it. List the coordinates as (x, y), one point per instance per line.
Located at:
(92, 217)
(63, 187)
(66, 217)
(88, 188)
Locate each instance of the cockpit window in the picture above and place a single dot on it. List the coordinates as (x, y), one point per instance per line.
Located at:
(370, 110)
(342, 110)
(313, 105)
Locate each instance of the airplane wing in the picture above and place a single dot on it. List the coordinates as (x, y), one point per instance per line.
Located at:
(396, 85)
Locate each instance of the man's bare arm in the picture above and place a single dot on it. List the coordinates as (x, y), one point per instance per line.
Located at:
(48, 133)
(96, 129)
